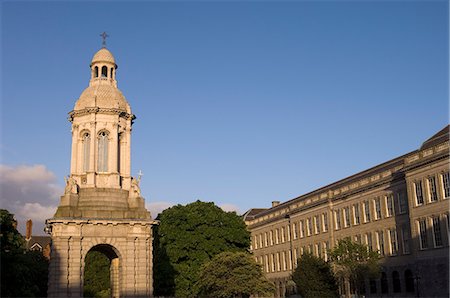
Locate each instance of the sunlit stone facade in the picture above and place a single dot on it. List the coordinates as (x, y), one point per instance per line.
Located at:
(102, 208)
(399, 208)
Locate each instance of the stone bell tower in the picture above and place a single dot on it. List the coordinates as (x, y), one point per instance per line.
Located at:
(102, 208)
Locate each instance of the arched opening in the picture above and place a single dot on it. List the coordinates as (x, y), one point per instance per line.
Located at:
(104, 72)
(409, 281)
(384, 283)
(86, 151)
(111, 73)
(396, 282)
(101, 272)
(102, 164)
(96, 72)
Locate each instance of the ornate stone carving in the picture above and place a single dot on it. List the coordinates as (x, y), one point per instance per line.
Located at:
(71, 185)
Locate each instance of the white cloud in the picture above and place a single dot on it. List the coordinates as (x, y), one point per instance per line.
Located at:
(29, 192)
(230, 208)
(36, 212)
(157, 207)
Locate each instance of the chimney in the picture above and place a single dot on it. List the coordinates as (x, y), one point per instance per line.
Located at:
(29, 229)
(275, 203)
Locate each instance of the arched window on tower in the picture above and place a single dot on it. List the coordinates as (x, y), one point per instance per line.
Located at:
(111, 74)
(104, 71)
(86, 151)
(102, 164)
(96, 72)
(119, 151)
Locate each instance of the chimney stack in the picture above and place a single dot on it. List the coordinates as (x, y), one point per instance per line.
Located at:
(275, 203)
(29, 229)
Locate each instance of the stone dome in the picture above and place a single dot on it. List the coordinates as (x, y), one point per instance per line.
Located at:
(103, 55)
(104, 96)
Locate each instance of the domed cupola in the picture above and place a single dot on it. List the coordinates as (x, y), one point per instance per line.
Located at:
(103, 67)
(102, 92)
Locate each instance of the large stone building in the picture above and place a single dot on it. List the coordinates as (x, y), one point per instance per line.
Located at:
(102, 208)
(399, 208)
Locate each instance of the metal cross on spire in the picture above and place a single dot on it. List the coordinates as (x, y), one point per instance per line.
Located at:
(104, 36)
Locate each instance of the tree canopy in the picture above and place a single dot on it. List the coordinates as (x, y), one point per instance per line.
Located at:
(23, 273)
(352, 262)
(314, 277)
(189, 236)
(97, 275)
(231, 274)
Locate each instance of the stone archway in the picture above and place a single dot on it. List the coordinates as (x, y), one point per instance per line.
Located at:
(112, 254)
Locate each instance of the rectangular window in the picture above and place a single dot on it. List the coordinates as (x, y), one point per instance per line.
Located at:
(273, 262)
(294, 229)
(310, 226)
(278, 262)
(302, 229)
(283, 258)
(326, 248)
(380, 239)
(402, 204)
(325, 222)
(337, 219)
(347, 216)
(260, 241)
(433, 189)
(317, 224)
(356, 214)
(358, 238)
(437, 237)
(419, 193)
(366, 211)
(446, 184)
(266, 263)
(317, 250)
(390, 210)
(290, 259)
(277, 236)
(377, 208)
(271, 237)
(369, 241)
(288, 232)
(423, 234)
(394, 242)
(406, 235)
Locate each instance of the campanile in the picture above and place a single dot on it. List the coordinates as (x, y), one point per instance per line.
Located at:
(102, 208)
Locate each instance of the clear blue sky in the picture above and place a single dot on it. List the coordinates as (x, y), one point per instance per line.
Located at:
(238, 103)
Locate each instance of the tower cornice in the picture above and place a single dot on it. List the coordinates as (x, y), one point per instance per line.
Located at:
(97, 110)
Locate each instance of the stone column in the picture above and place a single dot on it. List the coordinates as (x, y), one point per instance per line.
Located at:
(114, 276)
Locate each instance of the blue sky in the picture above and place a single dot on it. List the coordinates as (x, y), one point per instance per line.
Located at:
(239, 102)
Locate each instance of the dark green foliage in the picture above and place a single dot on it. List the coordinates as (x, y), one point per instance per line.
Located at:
(235, 274)
(23, 273)
(352, 262)
(187, 237)
(314, 278)
(97, 275)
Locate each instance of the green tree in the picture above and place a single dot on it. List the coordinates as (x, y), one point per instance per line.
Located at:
(97, 275)
(352, 262)
(187, 237)
(233, 274)
(314, 277)
(23, 273)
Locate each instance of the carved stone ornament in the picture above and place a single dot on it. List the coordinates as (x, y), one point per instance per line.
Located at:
(71, 185)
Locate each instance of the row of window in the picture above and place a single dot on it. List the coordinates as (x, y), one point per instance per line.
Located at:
(345, 217)
(104, 73)
(431, 186)
(375, 209)
(430, 230)
(396, 283)
(102, 140)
